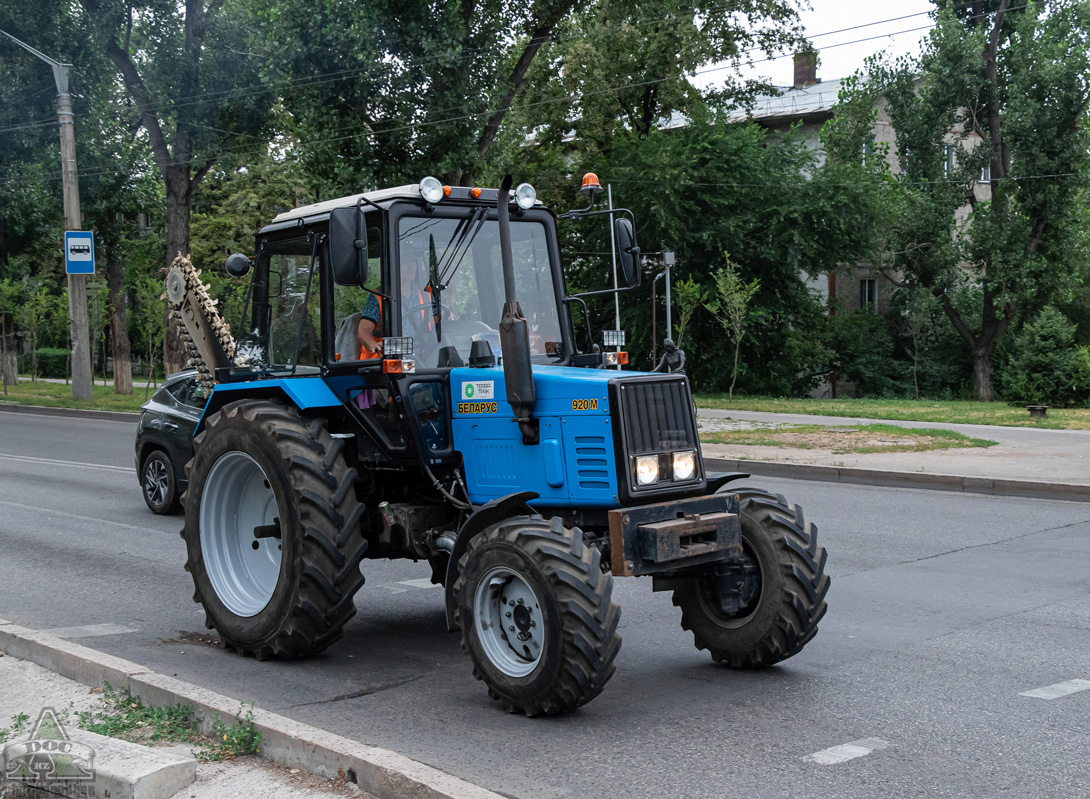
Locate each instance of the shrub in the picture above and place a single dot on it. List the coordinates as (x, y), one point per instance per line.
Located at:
(863, 353)
(1046, 367)
(52, 362)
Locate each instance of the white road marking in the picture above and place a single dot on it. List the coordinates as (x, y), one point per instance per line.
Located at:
(1058, 690)
(49, 512)
(848, 751)
(77, 464)
(89, 631)
(422, 582)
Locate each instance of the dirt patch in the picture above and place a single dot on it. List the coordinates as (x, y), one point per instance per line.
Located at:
(839, 440)
(184, 638)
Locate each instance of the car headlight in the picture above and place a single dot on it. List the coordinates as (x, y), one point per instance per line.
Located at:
(684, 465)
(647, 470)
(431, 190)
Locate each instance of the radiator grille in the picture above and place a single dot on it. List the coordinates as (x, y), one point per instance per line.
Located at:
(658, 416)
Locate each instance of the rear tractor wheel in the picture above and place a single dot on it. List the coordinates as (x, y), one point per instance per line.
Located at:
(536, 617)
(272, 530)
(767, 607)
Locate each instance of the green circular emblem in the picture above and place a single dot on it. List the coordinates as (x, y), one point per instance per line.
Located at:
(469, 390)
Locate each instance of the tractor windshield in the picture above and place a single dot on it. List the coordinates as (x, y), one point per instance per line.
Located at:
(451, 286)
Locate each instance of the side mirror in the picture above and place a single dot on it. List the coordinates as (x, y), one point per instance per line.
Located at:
(237, 265)
(348, 246)
(627, 250)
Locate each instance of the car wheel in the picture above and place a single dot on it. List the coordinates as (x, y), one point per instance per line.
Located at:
(157, 483)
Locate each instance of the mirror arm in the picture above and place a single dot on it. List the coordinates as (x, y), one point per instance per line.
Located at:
(617, 290)
(586, 314)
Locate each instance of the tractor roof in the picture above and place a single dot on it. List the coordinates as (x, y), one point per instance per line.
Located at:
(323, 208)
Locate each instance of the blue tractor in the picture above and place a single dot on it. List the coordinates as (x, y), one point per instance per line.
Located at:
(408, 383)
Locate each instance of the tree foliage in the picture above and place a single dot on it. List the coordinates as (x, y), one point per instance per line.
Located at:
(990, 162)
(1046, 367)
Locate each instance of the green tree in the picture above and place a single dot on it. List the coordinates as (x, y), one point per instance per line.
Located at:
(31, 315)
(715, 186)
(197, 89)
(730, 304)
(1046, 366)
(149, 317)
(918, 314)
(994, 150)
(691, 296)
(618, 65)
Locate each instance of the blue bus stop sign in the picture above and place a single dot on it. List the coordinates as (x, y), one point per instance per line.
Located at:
(79, 252)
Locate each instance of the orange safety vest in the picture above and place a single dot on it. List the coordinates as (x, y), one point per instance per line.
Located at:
(366, 354)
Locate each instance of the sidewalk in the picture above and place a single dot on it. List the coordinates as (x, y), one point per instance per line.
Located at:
(39, 670)
(28, 688)
(1022, 454)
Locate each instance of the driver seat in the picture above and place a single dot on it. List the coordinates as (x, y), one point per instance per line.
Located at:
(345, 346)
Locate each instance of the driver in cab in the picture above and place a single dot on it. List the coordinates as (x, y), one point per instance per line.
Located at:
(417, 309)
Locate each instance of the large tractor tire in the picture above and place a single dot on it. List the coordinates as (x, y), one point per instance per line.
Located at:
(536, 617)
(783, 598)
(272, 529)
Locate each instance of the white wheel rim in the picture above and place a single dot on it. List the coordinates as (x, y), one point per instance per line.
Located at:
(509, 623)
(242, 568)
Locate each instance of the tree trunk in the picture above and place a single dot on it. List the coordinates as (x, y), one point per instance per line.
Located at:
(119, 322)
(982, 371)
(734, 373)
(4, 352)
(179, 200)
(9, 360)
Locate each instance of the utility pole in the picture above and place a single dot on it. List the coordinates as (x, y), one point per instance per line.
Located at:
(77, 286)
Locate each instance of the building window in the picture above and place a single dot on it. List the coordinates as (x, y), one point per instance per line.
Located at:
(868, 294)
(948, 165)
(868, 149)
(986, 174)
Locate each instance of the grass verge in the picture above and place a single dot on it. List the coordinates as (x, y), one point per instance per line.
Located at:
(842, 440)
(58, 395)
(122, 715)
(948, 412)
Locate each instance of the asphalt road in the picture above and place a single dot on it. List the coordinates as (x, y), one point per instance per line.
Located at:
(944, 609)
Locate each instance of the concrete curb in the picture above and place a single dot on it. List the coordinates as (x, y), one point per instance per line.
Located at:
(1033, 489)
(126, 770)
(43, 410)
(381, 772)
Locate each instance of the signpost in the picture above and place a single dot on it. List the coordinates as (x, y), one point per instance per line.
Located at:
(79, 252)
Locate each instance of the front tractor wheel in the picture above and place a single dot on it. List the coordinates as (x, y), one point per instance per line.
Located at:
(536, 617)
(272, 530)
(765, 608)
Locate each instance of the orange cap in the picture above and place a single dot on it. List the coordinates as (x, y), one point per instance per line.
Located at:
(475, 192)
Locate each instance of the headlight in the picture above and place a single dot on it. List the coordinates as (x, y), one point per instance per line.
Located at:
(525, 196)
(684, 465)
(647, 470)
(431, 190)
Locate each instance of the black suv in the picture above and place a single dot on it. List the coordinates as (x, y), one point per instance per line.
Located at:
(164, 439)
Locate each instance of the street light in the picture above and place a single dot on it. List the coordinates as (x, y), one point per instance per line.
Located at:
(77, 286)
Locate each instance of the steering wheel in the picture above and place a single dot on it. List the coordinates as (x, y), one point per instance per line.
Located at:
(444, 310)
